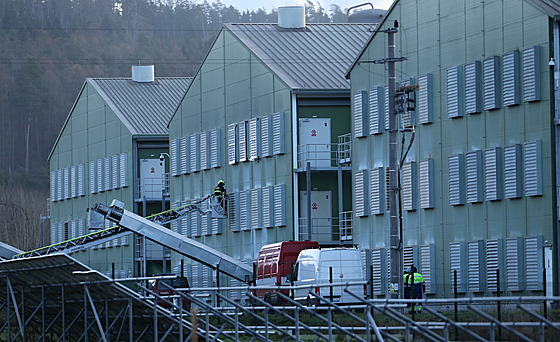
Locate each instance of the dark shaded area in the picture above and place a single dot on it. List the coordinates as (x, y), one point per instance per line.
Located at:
(49, 47)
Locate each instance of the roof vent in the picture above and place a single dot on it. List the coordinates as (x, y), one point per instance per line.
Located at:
(143, 73)
(291, 17)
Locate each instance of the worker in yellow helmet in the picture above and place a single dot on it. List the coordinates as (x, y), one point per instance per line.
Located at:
(220, 193)
(417, 288)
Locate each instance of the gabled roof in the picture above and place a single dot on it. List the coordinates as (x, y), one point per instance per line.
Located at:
(312, 58)
(548, 7)
(144, 108)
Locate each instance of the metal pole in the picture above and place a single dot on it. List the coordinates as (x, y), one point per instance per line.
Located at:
(340, 200)
(309, 223)
(456, 307)
(393, 167)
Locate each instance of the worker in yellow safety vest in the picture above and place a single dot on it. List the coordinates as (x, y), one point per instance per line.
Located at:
(406, 288)
(417, 288)
(220, 193)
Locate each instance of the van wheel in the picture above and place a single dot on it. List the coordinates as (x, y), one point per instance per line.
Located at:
(267, 298)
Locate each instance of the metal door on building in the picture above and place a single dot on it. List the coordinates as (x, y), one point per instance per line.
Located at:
(151, 179)
(321, 216)
(314, 142)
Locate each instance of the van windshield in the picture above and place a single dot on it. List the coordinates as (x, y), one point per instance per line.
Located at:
(175, 283)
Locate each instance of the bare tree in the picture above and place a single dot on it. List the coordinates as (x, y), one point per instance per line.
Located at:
(20, 211)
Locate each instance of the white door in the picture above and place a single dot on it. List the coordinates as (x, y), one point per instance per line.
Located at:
(321, 215)
(151, 179)
(315, 142)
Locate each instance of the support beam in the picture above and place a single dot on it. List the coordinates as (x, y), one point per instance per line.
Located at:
(95, 315)
(16, 309)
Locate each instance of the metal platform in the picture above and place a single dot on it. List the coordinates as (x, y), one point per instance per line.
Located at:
(55, 295)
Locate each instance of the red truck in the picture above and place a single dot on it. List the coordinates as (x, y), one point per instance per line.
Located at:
(274, 264)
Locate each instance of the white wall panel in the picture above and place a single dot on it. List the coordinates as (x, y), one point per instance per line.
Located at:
(359, 114)
(510, 78)
(242, 137)
(491, 85)
(512, 171)
(377, 191)
(173, 157)
(254, 139)
(424, 105)
(215, 148)
(278, 133)
(473, 168)
(473, 103)
(455, 92)
(361, 192)
(531, 74)
(476, 266)
(232, 143)
(409, 181)
(457, 262)
(266, 135)
(375, 110)
(495, 264)
(493, 172)
(426, 183)
(514, 264)
(532, 160)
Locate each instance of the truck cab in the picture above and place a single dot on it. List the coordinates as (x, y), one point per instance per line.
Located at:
(274, 265)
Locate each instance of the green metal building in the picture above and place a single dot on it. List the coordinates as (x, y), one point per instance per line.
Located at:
(477, 187)
(266, 100)
(109, 147)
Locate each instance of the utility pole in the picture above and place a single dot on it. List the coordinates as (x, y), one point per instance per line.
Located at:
(394, 240)
(395, 254)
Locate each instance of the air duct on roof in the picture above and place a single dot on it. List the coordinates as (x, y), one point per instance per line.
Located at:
(143, 73)
(291, 17)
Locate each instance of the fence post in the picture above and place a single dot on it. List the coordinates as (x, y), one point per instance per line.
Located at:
(331, 281)
(456, 306)
(499, 304)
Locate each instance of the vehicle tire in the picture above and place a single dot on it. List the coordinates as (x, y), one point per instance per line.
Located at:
(267, 298)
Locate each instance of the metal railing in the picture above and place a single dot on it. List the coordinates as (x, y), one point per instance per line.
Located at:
(344, 150)
(219, 316)
(152, 188)
(346, 225)
(327, 229)
(322, 229)
(326, 155)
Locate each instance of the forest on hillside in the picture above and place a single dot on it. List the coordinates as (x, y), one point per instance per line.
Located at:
(49, 47)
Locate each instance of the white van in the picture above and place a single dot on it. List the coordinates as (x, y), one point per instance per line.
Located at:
(313, 268)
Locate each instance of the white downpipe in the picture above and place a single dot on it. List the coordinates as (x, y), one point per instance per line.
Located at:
(295, 195)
